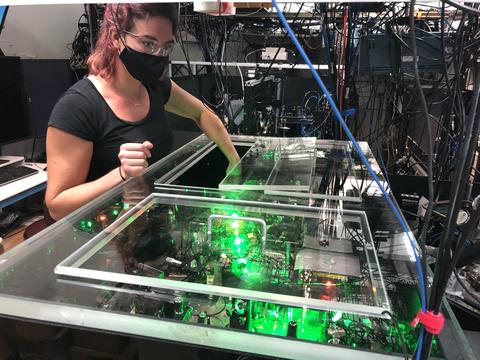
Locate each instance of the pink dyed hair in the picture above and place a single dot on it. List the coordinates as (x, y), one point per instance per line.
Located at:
(101, 61)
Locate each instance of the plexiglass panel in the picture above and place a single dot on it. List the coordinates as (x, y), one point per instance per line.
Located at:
(292, 173)
(275, 163)
(291, 255)
(185, 157)
(254, 169)
(313, 169)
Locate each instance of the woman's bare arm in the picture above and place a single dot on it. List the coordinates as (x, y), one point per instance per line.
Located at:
(68, 162)
(184, 104)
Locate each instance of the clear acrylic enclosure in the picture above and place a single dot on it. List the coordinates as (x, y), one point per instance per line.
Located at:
(278, 166)
(292, 255)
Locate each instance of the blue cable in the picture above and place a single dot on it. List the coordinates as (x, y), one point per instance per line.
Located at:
(403, 224)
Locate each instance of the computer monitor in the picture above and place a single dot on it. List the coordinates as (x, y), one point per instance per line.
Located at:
(3, 15)
(45, 81)
(14, 114)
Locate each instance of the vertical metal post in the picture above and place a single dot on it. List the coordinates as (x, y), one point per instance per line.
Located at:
(91, 26)
(279, 107)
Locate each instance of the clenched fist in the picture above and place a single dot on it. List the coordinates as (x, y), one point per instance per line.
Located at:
(133, 158)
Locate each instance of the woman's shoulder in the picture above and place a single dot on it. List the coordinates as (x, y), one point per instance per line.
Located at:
(82, 88)
(80, 96)
(75, 111)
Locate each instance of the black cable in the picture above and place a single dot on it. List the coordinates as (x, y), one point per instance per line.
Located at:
(439, 278)
(209, 49)
(468, 148)
(285, 36)
(463, 7)
(187, 59)
(282, 41)
(443, 155)
(462, 239)
(423, 103)
(465, 287)
(444, 266)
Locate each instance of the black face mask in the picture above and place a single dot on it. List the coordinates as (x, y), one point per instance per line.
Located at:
(145, 68)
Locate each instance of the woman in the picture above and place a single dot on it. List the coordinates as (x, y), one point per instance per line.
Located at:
(107, 127)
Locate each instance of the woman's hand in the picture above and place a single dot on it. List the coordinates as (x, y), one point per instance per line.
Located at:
(234, 172)
(133, 158)
(233, 160)
(231, 165)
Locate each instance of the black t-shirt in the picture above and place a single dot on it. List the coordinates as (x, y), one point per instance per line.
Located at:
(82, 111)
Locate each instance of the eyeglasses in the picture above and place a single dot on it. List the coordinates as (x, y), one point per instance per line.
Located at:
(151, 46)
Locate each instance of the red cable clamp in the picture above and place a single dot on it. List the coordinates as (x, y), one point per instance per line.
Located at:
(433, 322)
